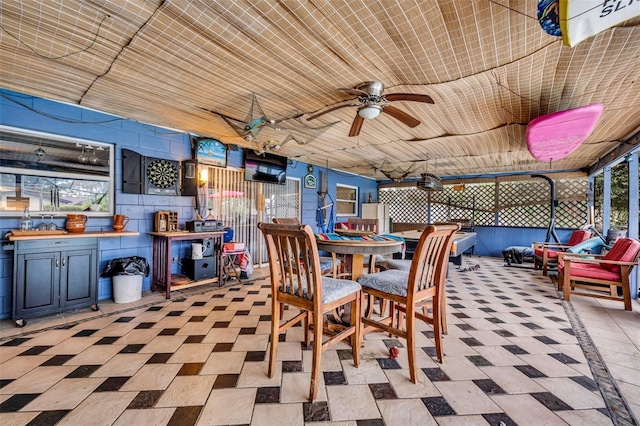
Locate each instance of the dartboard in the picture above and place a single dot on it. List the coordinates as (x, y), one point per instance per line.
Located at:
(162, 173)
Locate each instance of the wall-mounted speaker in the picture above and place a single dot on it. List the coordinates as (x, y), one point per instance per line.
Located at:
(189, 178)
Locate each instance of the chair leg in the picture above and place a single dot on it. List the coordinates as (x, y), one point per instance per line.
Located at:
(411, 343)
(443, 312)
(317, 353)
(566, 287)
(276, 308)
(626, 292)
(394, 316)
(356, 337)
(437, 329)
(307, 334)
(383, 306)
(560, 281)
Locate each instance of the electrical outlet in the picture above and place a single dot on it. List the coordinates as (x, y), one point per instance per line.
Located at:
(175, 259)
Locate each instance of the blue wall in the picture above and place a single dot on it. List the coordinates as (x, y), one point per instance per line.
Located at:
(27, 112)
(492, 240)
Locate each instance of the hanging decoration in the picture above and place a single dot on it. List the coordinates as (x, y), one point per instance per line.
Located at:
(290, 125)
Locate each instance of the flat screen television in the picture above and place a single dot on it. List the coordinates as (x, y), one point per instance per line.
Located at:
(265, 167)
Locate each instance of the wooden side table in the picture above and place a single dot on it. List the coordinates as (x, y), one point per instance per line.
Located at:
(162, 242)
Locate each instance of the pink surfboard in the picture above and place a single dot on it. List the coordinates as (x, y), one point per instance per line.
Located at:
(554, 136)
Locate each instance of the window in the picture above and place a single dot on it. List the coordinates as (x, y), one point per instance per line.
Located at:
(346, 200)
(53, 174)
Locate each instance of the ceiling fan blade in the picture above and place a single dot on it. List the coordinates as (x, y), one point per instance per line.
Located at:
(356, 126)
(413, 97)
(401, 116)
(329, 110)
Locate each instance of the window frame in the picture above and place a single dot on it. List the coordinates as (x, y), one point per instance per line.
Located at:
(73, 143)
(344, 202)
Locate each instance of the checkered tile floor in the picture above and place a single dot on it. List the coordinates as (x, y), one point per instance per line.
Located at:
(513, 356)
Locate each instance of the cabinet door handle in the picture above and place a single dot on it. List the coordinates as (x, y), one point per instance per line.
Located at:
(57, 262)
(64, 262)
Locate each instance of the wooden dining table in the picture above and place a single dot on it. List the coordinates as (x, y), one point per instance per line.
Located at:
(357, 249)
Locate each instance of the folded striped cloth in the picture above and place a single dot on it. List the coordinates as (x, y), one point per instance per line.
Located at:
(374, 237)
(330, 236)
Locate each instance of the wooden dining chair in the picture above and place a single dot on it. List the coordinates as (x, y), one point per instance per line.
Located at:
(406, 291)
(371, 225)
(363, 224)
(328, 264)
(600, 276)
(286, 220)
(296, 280)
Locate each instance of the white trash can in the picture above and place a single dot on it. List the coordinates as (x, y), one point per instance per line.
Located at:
(127, 288)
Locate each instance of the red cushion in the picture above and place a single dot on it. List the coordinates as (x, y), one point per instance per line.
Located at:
(624, 250)
(590, 270)
(578, 236)
(551, 254)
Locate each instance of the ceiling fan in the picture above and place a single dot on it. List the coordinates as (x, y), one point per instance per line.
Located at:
(372, 102)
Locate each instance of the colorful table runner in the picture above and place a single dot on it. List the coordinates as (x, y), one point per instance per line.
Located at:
(332, 236)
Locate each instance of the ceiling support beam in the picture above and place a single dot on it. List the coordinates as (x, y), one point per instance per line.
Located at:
(618, 152)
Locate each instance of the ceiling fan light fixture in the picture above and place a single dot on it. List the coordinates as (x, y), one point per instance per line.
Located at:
(369, 112)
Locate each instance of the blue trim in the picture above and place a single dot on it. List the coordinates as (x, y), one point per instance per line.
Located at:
(606, 201)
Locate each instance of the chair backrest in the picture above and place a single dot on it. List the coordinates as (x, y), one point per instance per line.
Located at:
(431, 258)
(363, 224)
(578, 236)
(624, 250)
(286, 220)
(294, 263)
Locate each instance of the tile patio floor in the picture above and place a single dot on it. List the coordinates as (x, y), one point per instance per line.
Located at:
(515, 354)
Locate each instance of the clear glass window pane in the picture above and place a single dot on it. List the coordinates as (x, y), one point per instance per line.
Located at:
(346, 200)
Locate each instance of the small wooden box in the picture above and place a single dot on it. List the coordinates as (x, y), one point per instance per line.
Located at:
(166, 221)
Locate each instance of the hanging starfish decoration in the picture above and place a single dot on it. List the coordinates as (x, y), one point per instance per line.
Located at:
(257, 120)
(253, 124)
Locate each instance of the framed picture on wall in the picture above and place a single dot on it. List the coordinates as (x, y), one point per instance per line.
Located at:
(310, 181)
(211, 152)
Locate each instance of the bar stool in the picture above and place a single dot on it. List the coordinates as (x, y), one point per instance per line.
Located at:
(232, 253)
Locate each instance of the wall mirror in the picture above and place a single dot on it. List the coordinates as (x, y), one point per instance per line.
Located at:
(54, 175)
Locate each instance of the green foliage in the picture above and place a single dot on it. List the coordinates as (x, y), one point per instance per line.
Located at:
(619, 196)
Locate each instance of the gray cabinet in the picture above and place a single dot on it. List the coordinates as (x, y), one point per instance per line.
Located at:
(54, 275)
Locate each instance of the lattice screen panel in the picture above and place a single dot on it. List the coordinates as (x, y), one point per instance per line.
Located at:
(448, 205)
(571, 214)
(521, 203)
(406, 204)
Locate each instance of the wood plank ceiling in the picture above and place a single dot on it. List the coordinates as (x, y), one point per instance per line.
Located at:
(195, 65)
